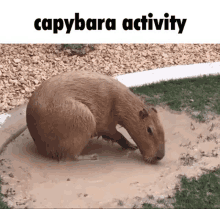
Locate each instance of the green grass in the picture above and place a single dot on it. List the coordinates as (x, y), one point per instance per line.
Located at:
(201, 193)
(3, 205)
(193, 95)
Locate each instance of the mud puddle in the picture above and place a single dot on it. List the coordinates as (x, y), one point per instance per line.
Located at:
(117, 178)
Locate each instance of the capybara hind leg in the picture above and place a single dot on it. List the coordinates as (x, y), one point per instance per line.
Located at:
(74, 149)
(67, 130)
(120, 139)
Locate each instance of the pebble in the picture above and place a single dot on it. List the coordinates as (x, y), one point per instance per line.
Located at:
(13, 81)
(36, 81)
(17, 60)
(27, 89)
(1, 106)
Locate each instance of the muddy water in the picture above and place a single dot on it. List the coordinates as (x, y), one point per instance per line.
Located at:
(118, 178)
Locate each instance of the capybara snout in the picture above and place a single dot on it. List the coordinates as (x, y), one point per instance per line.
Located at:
(152, 139)
(69, 108)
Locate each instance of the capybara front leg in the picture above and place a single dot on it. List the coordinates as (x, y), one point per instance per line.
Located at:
(121, 140)
(124, 143)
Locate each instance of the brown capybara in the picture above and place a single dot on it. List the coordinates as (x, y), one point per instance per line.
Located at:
(70, 108)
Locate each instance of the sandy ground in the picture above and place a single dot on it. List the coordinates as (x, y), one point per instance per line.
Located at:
(117, 178)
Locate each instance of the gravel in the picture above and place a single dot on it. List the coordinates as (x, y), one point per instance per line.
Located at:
(23, 67)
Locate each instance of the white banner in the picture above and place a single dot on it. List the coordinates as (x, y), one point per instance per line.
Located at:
(98, 21)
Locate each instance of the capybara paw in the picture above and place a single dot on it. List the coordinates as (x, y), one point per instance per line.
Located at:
(88, 157)
(94, 157)
(130, 147)
(133, 147)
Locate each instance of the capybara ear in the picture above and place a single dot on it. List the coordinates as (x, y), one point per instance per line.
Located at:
(143, 113)
(154, 109)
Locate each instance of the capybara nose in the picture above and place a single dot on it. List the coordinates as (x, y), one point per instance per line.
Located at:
(159, 158)
(160, 153)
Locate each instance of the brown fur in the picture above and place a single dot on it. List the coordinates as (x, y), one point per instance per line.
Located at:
(68, 109)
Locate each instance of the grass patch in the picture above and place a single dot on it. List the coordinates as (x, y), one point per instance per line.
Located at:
(78, 49)
(3, 205)
(197, 96)
(201, 193)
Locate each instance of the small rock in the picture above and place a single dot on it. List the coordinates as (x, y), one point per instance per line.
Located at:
(17, 60)
(38, 77)
(21, 101)
(36, 81)
(211, 127)
(195, 113)
(22, 80)
(32, 74)
(15, 64)
(35, 61)
(65, 60)
(165, 55)
(1, 106)
(192, 126)
(119, 47)
(13, 103)
(13, 81)
(35, 57)
(11, 175)
(1, 66)
(27, 89)
(10, 203)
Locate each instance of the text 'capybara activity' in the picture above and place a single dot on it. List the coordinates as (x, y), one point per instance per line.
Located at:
(70, 108)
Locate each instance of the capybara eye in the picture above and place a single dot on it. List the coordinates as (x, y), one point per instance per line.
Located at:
(150, 130)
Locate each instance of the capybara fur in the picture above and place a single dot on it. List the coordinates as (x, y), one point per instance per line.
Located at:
(68, 109)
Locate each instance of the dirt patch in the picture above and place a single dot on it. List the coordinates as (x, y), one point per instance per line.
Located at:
(116, 178)
(23, 67)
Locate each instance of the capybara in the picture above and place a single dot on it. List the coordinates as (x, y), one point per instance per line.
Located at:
(68, 109)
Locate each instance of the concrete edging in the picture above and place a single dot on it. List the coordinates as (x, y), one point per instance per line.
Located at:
(13, 123)
(168, 73)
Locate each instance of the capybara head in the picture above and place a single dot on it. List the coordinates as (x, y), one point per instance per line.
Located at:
(151, 140)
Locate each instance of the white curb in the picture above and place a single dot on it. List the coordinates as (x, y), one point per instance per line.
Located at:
(168, 73)
(3, 118)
